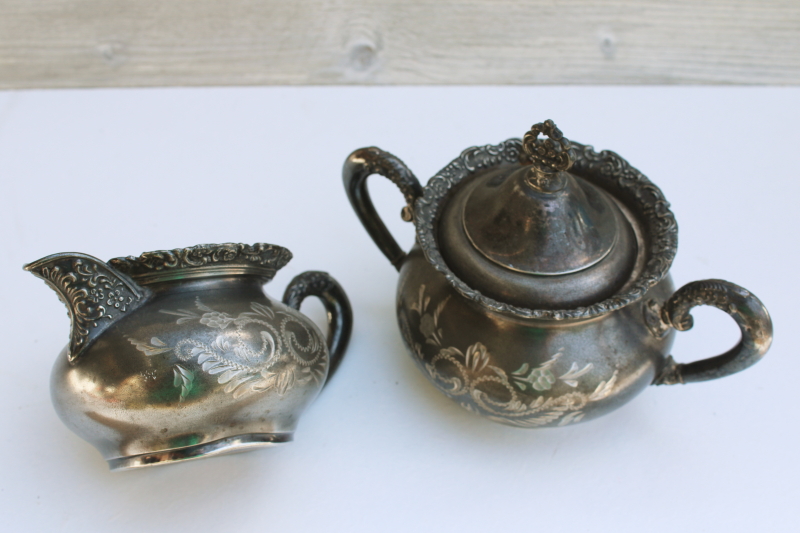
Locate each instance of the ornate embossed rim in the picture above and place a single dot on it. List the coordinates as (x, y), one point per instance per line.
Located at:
(204, 260)
(606, 170)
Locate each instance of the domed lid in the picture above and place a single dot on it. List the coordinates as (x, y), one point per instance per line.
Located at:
(536, 235)
(540, 219)
(647, 234)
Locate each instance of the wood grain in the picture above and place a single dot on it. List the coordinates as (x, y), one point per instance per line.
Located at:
(105, 43)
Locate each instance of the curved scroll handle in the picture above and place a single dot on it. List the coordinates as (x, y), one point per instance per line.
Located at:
(337, 306)
(743, 306)
(360, 165)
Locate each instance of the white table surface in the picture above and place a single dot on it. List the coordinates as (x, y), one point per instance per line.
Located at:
(118, 172)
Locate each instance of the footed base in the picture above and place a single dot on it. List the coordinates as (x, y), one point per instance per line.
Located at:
(239, 443)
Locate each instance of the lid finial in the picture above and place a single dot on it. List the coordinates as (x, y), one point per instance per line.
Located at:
(551, 152)
(549, 156)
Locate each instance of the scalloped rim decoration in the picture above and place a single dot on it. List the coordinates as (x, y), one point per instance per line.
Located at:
(605, 169)
(204, 260)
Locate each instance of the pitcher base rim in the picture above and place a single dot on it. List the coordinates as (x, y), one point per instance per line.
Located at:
(227, 445)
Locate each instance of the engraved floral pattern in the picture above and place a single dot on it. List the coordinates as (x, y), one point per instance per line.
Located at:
(257, 350)
(429, 322)
(472, 378)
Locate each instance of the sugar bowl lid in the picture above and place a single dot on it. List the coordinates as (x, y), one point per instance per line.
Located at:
(533, 234)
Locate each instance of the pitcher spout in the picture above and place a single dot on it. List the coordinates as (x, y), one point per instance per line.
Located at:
(95, 294)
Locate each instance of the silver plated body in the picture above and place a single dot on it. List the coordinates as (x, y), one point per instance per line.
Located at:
(180, 354)
(555, 338)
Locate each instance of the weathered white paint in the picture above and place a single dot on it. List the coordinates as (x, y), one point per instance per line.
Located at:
(87, 43)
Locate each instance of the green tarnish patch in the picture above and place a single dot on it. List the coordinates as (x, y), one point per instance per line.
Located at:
(185, 440)
(164, 394)
(189, 385)
(535, 333)
(184, 379)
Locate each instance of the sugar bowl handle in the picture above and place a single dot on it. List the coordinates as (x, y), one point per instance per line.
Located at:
(337, 306)
(743, 306)
(360, 165)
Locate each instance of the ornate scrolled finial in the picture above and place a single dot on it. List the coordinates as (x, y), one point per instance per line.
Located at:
(552, 152)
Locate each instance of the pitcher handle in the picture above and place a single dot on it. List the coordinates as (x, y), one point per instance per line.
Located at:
(337, 306)
(360, 165)
(743, 306)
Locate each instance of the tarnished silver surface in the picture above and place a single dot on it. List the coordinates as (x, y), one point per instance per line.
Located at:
(538, 291)
(569, 274)
(179, 354)
(558, 232)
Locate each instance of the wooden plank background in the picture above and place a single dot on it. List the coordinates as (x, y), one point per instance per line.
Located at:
(109, 43)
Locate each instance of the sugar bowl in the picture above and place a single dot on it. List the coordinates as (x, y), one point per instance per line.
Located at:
(538, 290)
